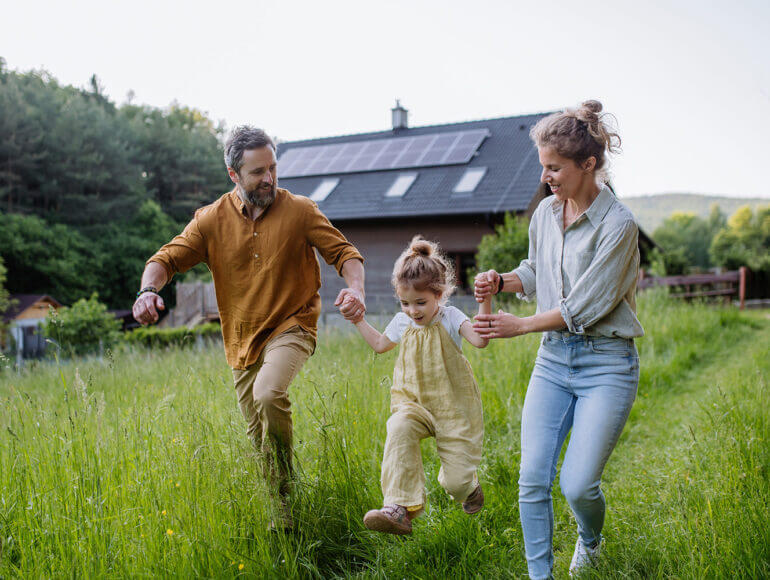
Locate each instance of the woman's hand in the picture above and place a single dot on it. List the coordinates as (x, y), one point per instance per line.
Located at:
(485, 284)
(500, 325)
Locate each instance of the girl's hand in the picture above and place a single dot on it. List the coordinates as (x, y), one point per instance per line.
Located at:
(500, 325)
(485, 285)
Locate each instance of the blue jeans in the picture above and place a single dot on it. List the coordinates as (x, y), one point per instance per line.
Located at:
(588, 385)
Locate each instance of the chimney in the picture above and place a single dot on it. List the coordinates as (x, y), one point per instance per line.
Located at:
(399, 116)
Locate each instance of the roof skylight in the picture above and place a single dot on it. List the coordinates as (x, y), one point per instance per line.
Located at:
(470, 179)
(401, 185)
(324, 189)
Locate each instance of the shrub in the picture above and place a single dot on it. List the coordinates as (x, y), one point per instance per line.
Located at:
(153, 336)
(85, 327)
(506, 248)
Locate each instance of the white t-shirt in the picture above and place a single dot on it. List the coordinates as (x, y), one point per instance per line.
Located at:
(451, 317)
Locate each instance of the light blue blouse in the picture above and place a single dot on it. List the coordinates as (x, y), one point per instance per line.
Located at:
(588, 271)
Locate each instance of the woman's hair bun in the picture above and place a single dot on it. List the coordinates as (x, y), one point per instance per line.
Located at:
(588, 112)
(419, 246)
(592, 105)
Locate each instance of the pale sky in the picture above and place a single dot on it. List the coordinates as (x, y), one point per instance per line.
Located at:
(689, 81)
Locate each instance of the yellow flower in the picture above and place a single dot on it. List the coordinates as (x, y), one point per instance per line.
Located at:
(163, 513)
(170, 532)
(240, 566)
(178, 484)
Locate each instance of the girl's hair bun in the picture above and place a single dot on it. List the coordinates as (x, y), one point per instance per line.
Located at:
(424, 266)
(419, 246)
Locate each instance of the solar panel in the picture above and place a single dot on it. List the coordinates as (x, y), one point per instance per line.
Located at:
(378, 154)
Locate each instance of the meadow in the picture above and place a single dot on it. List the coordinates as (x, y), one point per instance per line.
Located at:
(137, 465)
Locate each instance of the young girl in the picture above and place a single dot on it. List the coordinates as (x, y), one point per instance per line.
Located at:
(434, 393)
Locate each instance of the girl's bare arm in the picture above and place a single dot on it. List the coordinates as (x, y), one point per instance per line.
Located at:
(378, 341)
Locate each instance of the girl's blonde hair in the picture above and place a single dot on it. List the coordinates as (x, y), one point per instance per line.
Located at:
(424, 267)
(578, 134)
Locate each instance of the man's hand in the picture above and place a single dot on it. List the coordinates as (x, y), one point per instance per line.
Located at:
(485, 285)
(146, 308)
(351, 304)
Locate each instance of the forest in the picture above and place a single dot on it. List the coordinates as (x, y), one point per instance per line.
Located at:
(90, 189)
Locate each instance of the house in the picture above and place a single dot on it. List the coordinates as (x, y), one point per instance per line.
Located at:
(452, 183)
(24, 320)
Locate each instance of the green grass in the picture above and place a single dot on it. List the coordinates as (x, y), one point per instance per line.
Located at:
(99, 460)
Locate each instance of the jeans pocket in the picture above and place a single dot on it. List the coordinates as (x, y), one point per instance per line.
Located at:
(614, 346)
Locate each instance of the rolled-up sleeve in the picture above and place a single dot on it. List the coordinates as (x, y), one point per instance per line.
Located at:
(183, 252)
(608, 278)
(328, 240)
(526, 270)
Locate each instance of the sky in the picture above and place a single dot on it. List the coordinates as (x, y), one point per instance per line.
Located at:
(688, 81)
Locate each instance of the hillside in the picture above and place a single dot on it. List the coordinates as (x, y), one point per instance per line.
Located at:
(651, 210)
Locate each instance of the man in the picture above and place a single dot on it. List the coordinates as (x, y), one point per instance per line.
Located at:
(258, 242)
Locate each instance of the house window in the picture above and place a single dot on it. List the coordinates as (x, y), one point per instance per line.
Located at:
(401, 185)
(470, 179)
(324, 189)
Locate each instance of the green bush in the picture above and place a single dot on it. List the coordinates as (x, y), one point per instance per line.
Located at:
(84, 328)
(153, 337)
(506, 248)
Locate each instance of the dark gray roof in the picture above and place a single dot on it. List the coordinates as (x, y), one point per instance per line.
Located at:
(511, 180)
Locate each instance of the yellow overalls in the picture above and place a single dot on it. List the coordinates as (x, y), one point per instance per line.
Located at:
(434, 394)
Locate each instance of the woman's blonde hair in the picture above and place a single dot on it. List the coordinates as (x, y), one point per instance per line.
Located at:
(424, 267)
(578, 134)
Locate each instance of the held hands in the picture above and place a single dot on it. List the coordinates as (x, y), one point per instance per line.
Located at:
(485, 285)
(146, 308)
(500, 325)
(351, 304)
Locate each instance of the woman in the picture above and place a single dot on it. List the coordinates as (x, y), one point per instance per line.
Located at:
(582, 267)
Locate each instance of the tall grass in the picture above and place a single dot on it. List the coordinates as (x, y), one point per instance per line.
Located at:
(138, 465)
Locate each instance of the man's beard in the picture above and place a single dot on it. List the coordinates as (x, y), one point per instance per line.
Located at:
(259, 197)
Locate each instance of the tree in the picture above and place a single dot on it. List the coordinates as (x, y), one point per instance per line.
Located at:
(5, 299)
(507, 247)
(745, 241)
(689, 236)
(47, 259)
(84, 328)
(124, 249)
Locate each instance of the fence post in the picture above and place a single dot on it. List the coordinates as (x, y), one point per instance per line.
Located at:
(742, 286)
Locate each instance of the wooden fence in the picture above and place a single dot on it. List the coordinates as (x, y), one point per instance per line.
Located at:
(725, 285)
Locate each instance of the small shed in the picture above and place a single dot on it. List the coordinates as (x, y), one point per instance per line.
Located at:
(24, 320)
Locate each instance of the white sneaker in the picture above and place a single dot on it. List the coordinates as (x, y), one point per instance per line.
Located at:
(584, 556)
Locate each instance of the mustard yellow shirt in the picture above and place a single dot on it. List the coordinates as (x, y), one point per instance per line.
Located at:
(266, 274)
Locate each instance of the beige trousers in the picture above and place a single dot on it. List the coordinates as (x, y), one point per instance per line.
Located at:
(434, 394)
(263, 396)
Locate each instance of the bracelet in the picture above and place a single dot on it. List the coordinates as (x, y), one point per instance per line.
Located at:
(152, 289)
(500, 283)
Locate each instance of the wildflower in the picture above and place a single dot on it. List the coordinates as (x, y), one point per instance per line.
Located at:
(240, 566)
(163, 513)
(170, 532)
(178, 484)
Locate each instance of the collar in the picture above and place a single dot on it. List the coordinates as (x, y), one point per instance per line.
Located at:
(600, 206)
(595, 212)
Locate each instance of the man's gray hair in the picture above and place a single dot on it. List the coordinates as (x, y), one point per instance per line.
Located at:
(244, 138)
